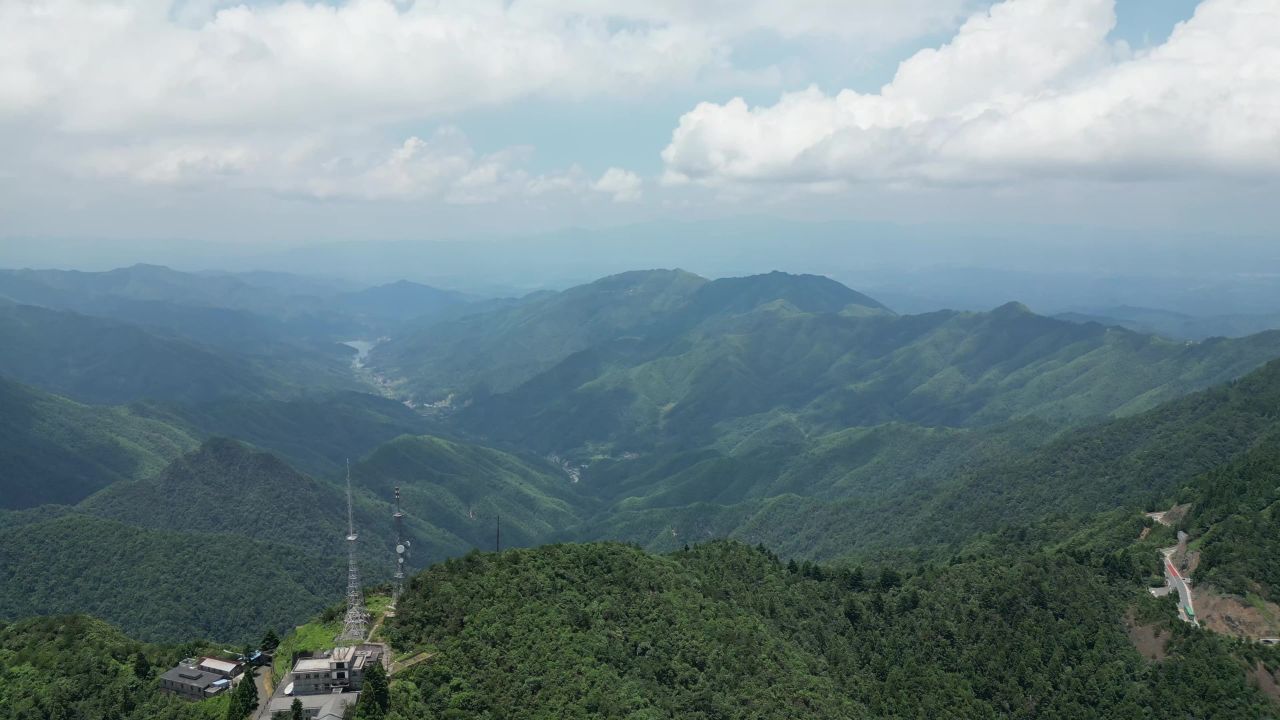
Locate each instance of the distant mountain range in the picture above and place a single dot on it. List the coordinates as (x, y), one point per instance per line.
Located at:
(143, 426)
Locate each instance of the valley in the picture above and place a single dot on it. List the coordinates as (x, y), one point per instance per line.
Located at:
(777, 462)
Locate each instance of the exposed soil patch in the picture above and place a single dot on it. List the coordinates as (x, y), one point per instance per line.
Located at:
(1175, 514)
(1236, 616)
(1266, 681)
(1149, 640)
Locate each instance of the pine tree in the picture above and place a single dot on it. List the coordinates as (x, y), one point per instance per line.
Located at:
(375, 696)
(141, 667)
(270, 641)
(244, 698)
(856, 581)
(296, 712)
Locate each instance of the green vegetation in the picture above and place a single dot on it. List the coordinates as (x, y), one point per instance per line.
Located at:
(74, 668)
(315, 433)
(1235, 512)
(896, 487)
(501, 349)
(648, 361)
(160, 585)
(58, 451)
(310, 637)
(107, 362)
(463, 488)
(375, 696)
(723, 630)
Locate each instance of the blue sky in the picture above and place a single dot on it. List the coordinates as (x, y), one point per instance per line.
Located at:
(285, 123)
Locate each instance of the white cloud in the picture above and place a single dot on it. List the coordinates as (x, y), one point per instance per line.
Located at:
(623, 185)
(312, 97)
(101, 66)
(1032, 88)
(127, 65)
(443, 167)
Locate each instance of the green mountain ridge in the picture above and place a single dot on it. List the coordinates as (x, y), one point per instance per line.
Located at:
(723, 630)
(58, 451)
(640, 361)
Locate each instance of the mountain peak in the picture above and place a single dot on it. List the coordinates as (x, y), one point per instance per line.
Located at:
(808, 293)
(1012, 308)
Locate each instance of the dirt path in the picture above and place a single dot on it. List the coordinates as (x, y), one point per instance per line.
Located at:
(403, 664)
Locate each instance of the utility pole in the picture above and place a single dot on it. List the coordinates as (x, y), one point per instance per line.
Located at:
(497, 540)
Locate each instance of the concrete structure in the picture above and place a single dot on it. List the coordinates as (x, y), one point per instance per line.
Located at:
(314, 707)
(191, 680)
(341, 670)
(224, 668)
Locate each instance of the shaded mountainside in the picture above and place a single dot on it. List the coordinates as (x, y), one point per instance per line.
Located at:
(159, 584)
(107, 362)
(723, 630)
(55, 450)
(462, 489)
(227, 487)
(317, 433)
(227, 540)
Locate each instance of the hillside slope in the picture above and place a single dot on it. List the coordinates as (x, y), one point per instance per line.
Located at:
(81, 667)
(161, 585)
(462, 489)
(58, 451)
(723, 630)
(106, 362)
(642, 361)
(871, 491)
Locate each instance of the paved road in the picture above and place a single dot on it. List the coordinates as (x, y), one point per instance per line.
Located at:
(1179, 583)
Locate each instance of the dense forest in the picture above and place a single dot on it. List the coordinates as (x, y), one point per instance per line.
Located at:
(77, 668)
(724, 630)
(930, 516)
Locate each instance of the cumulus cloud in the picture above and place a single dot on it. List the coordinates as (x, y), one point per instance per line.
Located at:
(132, 65)
(1027, 89)
(622, 185)
(112, 65)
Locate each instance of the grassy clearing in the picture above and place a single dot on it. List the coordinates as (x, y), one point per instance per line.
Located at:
(319, 635)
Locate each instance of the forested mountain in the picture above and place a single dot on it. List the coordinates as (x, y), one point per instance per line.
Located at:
(107, 362)
(77, 667)
(1235, 515)
(500, 349)
(317, 433)
(861, 491)
(723, 630)
(1178, 326)
(159, 584)
(394, 303)
(662, 409)
(642, 360)
(57, 451)
(249, 311)
(462, 489)
(247, 524)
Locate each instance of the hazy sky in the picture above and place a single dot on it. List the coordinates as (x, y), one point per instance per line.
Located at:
(277, 122)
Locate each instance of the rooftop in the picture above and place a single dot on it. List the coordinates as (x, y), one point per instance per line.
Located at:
(194, 677)
(311, 664)
(222, 666)
(329, 707)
